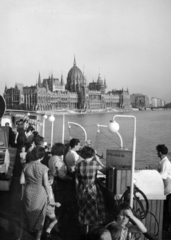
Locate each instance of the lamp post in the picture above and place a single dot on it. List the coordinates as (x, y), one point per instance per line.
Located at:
(44, 119)
(52, 119)
(105, 126)
(114, 127)
(63, 128)
(78, 125)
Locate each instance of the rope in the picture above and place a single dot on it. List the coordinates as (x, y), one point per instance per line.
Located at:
(75, 131)
(97, 138)
(110, 139)
(156, 222)
(140, 213)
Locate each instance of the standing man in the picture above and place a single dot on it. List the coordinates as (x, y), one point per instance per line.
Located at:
(164, 167)
(165, 171)
(72, 156)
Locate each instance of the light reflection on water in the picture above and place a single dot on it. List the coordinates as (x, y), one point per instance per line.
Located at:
(153, 128)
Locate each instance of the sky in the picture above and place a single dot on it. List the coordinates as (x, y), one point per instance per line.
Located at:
(127, 41)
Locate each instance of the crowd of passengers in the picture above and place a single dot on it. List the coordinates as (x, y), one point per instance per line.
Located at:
(46, 169)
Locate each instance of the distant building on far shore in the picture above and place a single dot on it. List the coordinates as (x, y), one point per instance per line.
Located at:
(139, 100)
(52, 94)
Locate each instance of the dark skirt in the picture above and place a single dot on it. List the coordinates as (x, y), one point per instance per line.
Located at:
(91, 206)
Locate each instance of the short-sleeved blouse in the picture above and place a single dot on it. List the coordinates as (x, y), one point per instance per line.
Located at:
(35, 196)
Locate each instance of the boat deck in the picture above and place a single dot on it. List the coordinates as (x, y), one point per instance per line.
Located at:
(10, 207)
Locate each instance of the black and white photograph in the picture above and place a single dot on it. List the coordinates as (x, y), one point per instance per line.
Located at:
(85, 120)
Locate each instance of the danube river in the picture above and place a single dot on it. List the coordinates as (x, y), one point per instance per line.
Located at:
(152, 128)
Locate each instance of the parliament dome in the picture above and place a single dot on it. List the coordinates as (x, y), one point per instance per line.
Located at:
(75, 76)
(75, 72)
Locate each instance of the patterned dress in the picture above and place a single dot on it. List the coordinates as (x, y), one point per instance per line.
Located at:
(91, 207)
(34, 201)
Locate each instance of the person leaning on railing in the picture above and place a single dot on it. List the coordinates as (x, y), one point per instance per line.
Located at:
(91, 205)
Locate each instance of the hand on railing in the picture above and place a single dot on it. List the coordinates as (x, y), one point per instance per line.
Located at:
(97, 159)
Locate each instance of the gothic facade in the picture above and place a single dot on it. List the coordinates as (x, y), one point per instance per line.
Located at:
(52, 94)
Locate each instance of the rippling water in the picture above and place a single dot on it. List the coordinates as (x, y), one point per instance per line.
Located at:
(153, 128)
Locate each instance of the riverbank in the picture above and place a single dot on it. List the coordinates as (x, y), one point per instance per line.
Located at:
(95, 111)
(74, 112)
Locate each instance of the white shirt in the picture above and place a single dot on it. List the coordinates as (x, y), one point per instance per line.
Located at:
(165, 171)
(70, 159)
(165, 168)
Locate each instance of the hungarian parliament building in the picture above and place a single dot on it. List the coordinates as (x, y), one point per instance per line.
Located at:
(53, 94)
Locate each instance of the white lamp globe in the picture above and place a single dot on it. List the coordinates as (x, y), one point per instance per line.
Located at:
(45, 116)
(113, 127)
(51, 118)
(28, 114)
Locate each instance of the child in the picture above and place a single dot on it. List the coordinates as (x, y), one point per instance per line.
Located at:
(123, 217)
(23, 156)
(51, 208)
